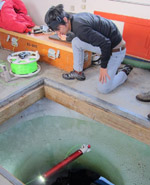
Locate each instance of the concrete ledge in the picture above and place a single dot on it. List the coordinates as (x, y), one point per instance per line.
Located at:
(21, 92)
(7, 179)
(141, 120)
(20, 103)
(95, 108)
(120, 119)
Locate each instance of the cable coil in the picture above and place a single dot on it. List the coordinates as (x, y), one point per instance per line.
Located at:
(24, 63)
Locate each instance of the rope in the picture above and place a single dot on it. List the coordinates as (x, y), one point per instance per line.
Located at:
(72, 148)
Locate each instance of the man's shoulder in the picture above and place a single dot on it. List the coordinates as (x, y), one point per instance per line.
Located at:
(83, 14)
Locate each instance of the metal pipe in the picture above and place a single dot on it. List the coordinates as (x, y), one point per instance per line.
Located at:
(70, 158)
(137, 63)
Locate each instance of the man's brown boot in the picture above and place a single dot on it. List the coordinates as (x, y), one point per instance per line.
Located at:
(148, 116)
(144, 97)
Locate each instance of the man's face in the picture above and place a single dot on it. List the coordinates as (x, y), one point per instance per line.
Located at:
(63, 29)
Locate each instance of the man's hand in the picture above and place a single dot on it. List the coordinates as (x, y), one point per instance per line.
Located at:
(103, 75)
(61, 36)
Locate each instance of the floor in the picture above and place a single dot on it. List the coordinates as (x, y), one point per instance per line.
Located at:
(124, 96)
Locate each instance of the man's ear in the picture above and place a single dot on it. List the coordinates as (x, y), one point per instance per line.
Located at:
(65, 19)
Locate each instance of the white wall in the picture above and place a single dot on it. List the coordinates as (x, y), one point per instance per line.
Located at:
(37, 8)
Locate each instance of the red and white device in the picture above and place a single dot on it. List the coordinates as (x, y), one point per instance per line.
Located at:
(70, 158)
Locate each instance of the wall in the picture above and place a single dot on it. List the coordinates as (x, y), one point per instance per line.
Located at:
(136, 32)
(37, 9)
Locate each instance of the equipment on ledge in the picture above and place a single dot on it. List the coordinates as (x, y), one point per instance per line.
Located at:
(22, 64)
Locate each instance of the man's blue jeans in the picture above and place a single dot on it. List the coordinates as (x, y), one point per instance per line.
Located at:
(115, 60)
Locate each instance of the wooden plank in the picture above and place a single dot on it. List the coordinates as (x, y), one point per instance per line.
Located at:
(42, 44)
(21, 103)
(97, 113)
(39, 38)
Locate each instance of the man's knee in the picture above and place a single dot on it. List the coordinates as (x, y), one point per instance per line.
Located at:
(104, 89)
(76, 42)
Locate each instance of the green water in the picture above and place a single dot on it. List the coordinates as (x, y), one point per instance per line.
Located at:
(31, 148)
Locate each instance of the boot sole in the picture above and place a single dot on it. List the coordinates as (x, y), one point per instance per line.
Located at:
(142, 100)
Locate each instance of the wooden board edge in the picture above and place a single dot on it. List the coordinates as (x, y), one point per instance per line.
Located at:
(21, 103)
(98, 114)
(38, 39)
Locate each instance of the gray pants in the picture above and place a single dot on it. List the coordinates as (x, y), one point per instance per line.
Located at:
(115, 60)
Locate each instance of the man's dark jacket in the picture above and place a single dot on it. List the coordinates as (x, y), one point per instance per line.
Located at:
(97, 31)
